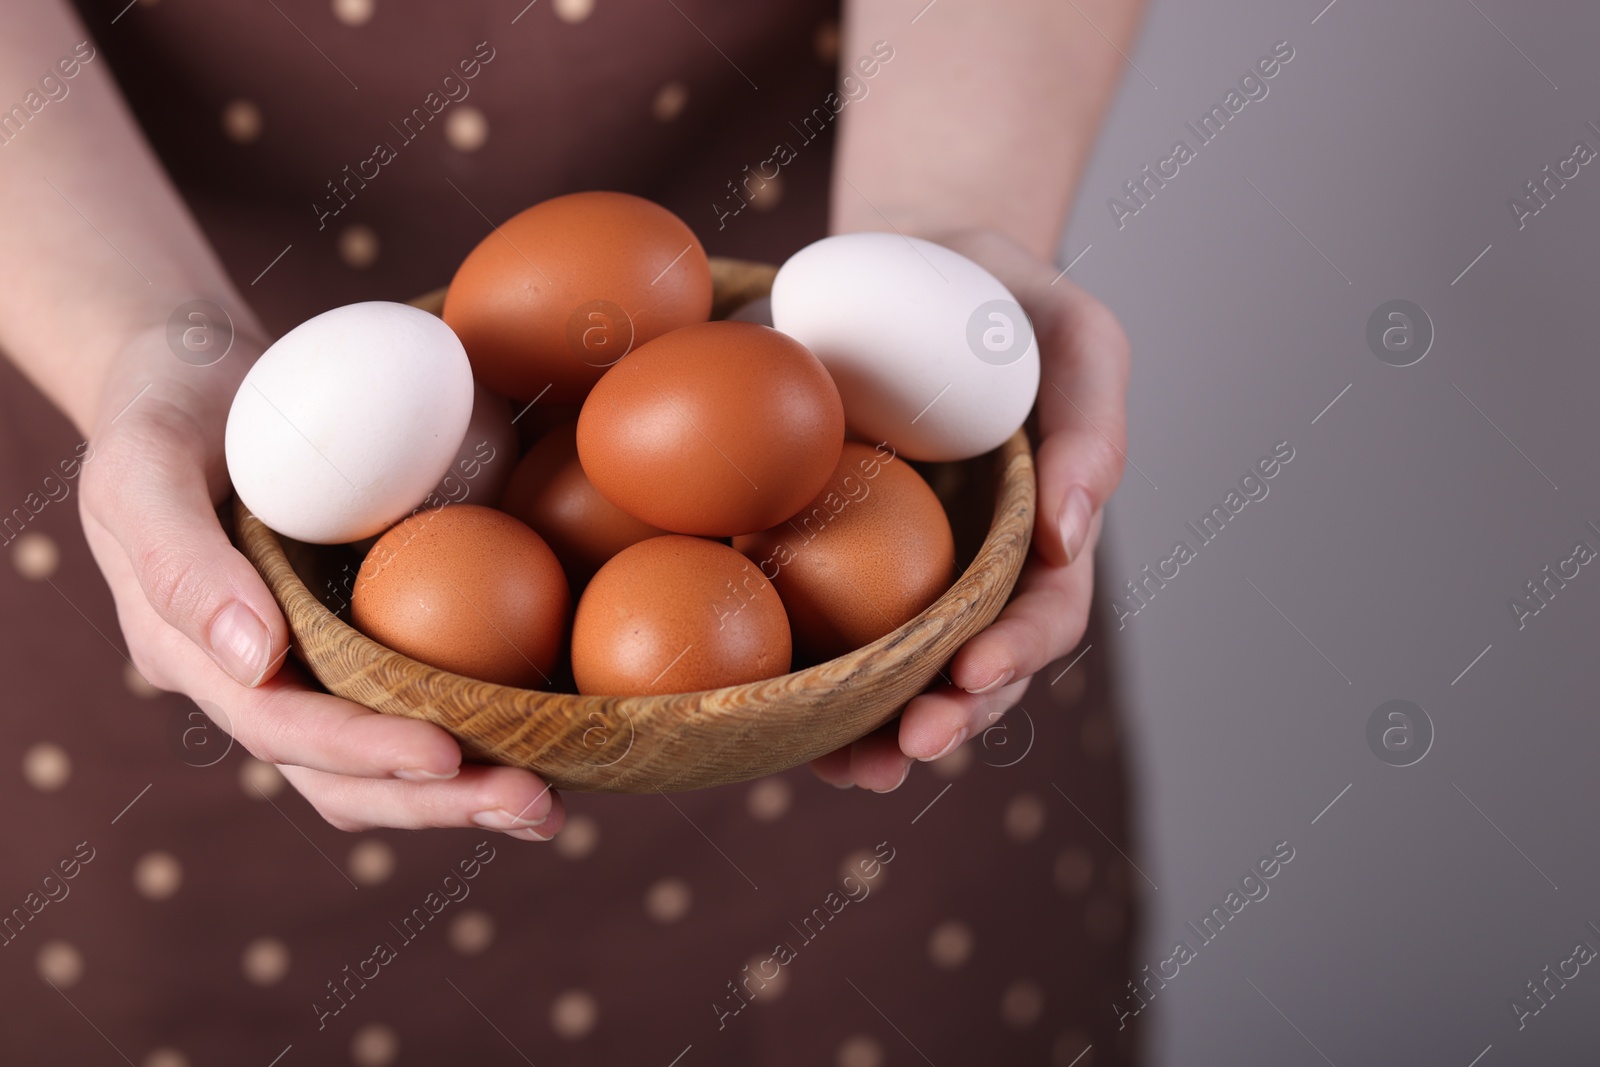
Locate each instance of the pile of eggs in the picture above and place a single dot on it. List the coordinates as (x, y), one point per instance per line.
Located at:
(709, 502)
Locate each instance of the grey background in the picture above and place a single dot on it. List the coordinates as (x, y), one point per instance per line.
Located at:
(1393, 540)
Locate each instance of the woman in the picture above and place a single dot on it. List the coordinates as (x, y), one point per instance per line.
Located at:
(971, 133)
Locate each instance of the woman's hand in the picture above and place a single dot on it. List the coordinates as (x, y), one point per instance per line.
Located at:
(200, 621)
(1081, 418)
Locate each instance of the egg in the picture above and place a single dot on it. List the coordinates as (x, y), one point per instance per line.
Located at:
(550, 492)
(486, 456)
(466, 589)
(347, 421)
(534, 421)
(867, 555)
(563, 290)
(716, 429)
(677, 614)
(930, 351)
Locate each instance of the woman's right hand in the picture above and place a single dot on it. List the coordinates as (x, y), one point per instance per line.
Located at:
(200, 621)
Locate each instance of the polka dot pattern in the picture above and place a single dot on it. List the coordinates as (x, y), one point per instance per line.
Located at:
(950, 944)
(768, 194)
(374, 1045)
(768, 979)
(471, 932)
(371, 862)
(1073, 870)
(1024, 817)
(574, 1014)
(35, 555)
(59, 963)
(1071, 686)
(1022, 1004)
(573, 10)
(859, 1051)
(579, 837)
(668, 900)
(858, 864)
(358, 246)
(825, 42)
(136, 683)
(157, 875)
(241, 121)
(988, 901)
(46, 767)
(466, 129)
(954, 765)
(265, 961)
(257, 779)
(769, 799)
(670, 101)
(354, 12)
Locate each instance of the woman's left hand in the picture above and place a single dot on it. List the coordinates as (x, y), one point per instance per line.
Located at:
(1082, 420)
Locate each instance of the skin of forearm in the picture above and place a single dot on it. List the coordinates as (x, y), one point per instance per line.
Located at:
(983, 119)
(97, 248)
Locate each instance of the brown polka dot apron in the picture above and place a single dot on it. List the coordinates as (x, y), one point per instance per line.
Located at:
(169, 902)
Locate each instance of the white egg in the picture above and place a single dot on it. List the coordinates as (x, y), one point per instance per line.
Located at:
(348, 420)
(930, 351)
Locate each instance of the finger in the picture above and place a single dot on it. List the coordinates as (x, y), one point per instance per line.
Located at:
(1083, 383)
(834, 768)
(504, 799)
(281, 721)
(1044, 620)
(936, 723)
(876, 762)
(147, 485)
(1082, 417)
(284, 721)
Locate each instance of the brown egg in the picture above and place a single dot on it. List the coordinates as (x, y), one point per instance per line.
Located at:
(466, 589)
(675, 615)
(550, 492)
(867, 555)
(717, 429)
(533, 421)
(487, 455)
(563, 290)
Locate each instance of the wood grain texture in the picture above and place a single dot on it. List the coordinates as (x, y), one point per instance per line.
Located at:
(672, 742)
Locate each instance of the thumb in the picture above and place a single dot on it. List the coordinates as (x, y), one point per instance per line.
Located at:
(1083, 385)
(1082, 418)
(146, 484)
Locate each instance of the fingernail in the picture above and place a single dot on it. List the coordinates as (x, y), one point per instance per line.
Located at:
(502, 820)
(526, 835)
(1076, 511)
(240, 643)
(955, 743)
(417, 774)
(843, 785)
(904, 771)
(993, 683)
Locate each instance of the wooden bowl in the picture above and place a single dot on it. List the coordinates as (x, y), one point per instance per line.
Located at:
(681, 741)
